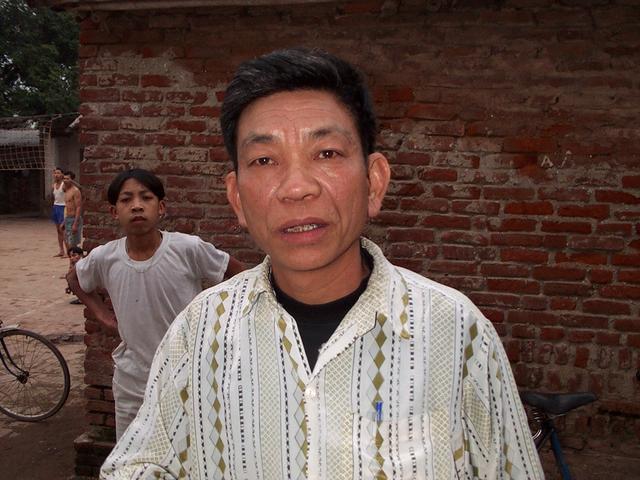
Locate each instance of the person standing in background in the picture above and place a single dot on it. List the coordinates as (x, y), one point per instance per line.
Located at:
(73, 211)
(57, 211)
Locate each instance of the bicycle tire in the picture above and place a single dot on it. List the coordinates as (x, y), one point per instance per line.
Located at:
(40, 382)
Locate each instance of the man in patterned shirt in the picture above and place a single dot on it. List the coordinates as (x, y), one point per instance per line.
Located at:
(325, 361)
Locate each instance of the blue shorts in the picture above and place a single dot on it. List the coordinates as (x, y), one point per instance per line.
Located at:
(57, 214)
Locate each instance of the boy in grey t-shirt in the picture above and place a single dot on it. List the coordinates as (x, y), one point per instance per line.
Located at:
(150, 275)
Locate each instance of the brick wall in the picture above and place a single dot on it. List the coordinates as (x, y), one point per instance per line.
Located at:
(512, 133)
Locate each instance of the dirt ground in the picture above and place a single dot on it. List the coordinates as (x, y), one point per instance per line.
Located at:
(32, 295)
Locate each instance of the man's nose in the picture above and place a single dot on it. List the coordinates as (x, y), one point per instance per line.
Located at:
(299, 181)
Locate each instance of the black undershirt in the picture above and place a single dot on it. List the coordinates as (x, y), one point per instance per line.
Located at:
(316, 323)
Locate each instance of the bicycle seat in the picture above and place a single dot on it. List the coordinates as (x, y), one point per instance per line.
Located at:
(557, 403)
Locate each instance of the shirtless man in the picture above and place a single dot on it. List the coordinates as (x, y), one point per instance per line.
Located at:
(73, 211)
(57, 212)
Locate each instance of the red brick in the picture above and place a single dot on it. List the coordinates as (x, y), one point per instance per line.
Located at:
(530, 144)
(166, 139)
(555, 241)
(513, 225)
(475, 207)
(565, 227)
(606, 307)
(440, 205)
(432, 111)
(438, 175)
(524, 255)
(601, 276)
(496, 316)
(187, 125)
(523, 331)
(534, 303)
(508, 193)
(163, 110)
(419, 235)
(588, 258)
(455, 252)
(629, 276)
(534, 318)
(566, 289)
(447, 221)
(465, 238)
(624, 229)
(558, 273)
(561, 303)
(633, 340)
(456, 191)
(596, 243)
(564, 194)
(193, 98)
(584, 321)
(495, 299)
(627, 324)
(205, 111)
(142, 96)
(412, 158)
(582, 357)
(580, 336)
(631, 181)
(453, 268)
(529, 208)
(512, 285)
(125, 139)
(395, 219)
(516, 239)
(400, 94)
(626, 260)
(614, 196)
(620, 291)
(607, 338)
(99, 94)
(599, 212)
(504, 270)
(551, 333)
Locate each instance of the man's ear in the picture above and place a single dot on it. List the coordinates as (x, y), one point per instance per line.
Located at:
(233, 195)
(162, 208)
(379, 176)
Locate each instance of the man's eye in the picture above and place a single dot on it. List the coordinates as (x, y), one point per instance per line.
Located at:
(262, 161)
(327, 154)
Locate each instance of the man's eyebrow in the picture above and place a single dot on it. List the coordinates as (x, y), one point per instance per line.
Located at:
(322, 132)
(257, 138)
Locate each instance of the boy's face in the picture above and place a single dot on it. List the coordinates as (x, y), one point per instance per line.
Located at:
(67, 181)
(74, 257)
(57, 175)
(302, 187)
(137, 209)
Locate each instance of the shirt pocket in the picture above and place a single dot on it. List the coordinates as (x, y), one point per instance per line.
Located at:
(398, 448)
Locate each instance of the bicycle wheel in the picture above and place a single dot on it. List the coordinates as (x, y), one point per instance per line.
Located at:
(34, 377)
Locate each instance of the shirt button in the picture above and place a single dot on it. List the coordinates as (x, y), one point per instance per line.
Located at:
(310, 392)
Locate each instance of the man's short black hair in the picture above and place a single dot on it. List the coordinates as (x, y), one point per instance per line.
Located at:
(70, 174)
(297, 69)
(145, 177)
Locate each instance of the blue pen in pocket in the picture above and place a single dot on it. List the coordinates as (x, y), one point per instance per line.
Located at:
(379, 411)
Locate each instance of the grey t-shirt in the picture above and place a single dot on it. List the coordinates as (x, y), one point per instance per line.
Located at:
(148, 295)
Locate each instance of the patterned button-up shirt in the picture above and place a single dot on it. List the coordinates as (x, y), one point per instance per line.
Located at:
(414, 384)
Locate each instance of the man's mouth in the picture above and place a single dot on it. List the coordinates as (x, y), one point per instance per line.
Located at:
(302, 228)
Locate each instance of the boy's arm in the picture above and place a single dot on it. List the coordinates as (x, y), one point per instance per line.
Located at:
(93, 302)
(78, 212)
(234, 267)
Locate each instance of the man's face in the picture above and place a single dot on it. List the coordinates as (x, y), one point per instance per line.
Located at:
(66, 179)
(137, 209)
(302, 187)
(57, 175)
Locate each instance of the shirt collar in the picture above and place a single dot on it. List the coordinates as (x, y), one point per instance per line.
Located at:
(385, 299)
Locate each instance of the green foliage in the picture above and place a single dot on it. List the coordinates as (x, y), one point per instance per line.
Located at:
(38, 60)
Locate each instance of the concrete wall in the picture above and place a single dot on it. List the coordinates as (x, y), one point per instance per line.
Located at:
(512, 133)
